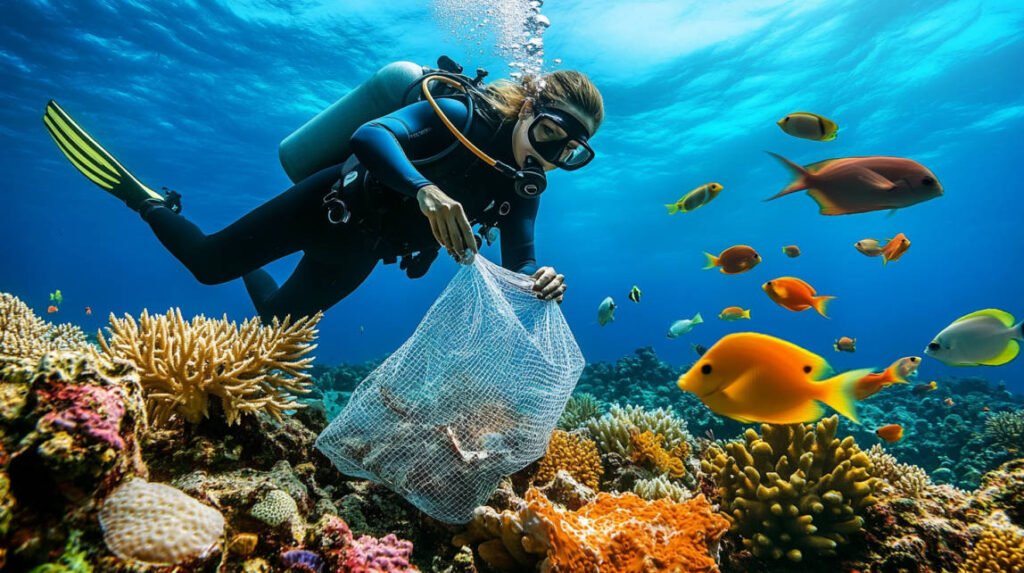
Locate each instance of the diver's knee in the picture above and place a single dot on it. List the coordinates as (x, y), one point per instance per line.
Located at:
(211, 275)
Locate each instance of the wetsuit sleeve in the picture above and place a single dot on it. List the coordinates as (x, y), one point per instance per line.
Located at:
(388, 145)
(517, 251)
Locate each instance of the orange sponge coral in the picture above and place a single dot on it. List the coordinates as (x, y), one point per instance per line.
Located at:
(623, 533)
(648, 446)
(574, 454)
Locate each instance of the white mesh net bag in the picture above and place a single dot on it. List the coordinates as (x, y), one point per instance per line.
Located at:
(470, 397)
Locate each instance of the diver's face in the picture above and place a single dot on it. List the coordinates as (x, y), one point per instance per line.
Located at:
(546, 131)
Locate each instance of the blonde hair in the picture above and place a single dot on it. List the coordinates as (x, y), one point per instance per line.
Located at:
(566, 87)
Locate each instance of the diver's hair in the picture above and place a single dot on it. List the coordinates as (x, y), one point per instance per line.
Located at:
(563, 86)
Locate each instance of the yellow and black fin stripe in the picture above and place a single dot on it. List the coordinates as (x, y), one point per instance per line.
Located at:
(91, 159)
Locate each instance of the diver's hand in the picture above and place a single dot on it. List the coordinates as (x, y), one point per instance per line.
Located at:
(448, 221)
(548, 284)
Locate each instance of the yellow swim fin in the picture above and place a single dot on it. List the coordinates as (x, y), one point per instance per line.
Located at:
(93, 161)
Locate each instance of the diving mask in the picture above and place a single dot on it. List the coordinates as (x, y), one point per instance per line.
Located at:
(560, 139)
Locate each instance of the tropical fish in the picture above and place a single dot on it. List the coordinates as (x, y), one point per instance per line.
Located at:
(890, 433)
(606, 311)
(949, 402)
(700, 349)
(845, 344)
(986, 409)
(51, 309)
(791, 251)
(894, 248)
(753, 377)
(869, 247)
(796, 295)
(896, 373)
(734, 260)
(987, 337)
(695, 199)
(634, 294)
(56, 297)
(734, 313)
(88, 311)
(684, 326)
(860, 184)
(922, 389)
(806, 125)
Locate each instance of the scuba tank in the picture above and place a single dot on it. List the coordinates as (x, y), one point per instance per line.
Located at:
(324, 140)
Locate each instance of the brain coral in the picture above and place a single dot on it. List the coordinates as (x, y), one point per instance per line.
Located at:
(275, 508)
(158, 524)
(250, 368)
(574, 454)
(796, 490)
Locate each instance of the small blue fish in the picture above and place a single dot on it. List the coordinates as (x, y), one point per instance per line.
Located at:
(606, 311)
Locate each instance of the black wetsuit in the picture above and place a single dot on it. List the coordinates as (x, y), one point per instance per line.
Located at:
(382, 181)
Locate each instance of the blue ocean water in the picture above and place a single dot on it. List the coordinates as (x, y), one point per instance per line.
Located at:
(196, 97)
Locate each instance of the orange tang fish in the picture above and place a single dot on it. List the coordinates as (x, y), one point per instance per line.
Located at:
(890, 433)
(796, 295)
(734, 260)
(51, 309)
(894, 248)
(860, 184)
(753, 377)
(896, 373)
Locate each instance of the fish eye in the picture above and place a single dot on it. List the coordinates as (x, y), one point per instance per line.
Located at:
(786, 120)
(706, 369)
(769, 283)
(928, 181)
(933, 346)
(807, 369)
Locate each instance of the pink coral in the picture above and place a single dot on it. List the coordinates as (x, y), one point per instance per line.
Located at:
(344, 554)
(93, 410)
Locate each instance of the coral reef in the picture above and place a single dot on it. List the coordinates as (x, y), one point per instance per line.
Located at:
(999, 550)
(366, 554)
(1003, 490)
(623, 533)
(612, 431)
(250, 368)
(25, 336)
(906, 479)
(646, 447)
(794, 491)
(580, 408)
(573, 453)
(1006, 429)
(275, 508)
(499, 540)
(158, 524)
(659, 487)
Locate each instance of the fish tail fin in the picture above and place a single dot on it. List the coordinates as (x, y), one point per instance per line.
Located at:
(698, 319)
(800, 181)
(672, 208)
(820, 304)
(840, 392)
(712, 261)
(746, 314)
(1018, 331)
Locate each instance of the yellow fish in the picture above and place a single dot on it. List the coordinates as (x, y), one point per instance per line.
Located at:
(753, 377)
(697, 198)
(806, 125)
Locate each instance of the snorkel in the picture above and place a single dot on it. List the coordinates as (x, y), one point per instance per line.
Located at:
(568, 147)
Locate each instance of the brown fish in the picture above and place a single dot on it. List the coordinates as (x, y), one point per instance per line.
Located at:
(734, 260)
(791, 251)
(849, 185)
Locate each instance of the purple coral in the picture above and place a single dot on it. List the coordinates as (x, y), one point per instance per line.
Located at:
(388, 554)
(94, 410)
(302, 560)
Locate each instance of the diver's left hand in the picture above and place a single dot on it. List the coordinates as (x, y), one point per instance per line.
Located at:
(548, 284)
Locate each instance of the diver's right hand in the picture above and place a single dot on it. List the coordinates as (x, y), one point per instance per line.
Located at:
(447, 219)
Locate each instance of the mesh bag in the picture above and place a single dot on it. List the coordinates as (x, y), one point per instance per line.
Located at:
(470, 397)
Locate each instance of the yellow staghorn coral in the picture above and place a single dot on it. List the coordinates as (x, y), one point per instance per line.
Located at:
(797, 490)
(999, 550)
(576, 455)
(647, 446)
(250, 368)
(622, 534)
(25, 336)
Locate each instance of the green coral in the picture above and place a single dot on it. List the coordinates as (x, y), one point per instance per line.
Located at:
(580, 408)
(661, 487)
(795, 490)
(275, 508)
(612, 431)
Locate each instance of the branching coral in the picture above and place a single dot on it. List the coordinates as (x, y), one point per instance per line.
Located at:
(580, 408)
(906, 479)
(250, 368)
(999, 550)
(647, 447)
(1006, 429)
(24, 335)
(622, 533)
(659, 487)
(796, 490)
(574, 454)
(612, 431)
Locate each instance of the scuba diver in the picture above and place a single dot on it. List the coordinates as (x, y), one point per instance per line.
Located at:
(377, 178)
